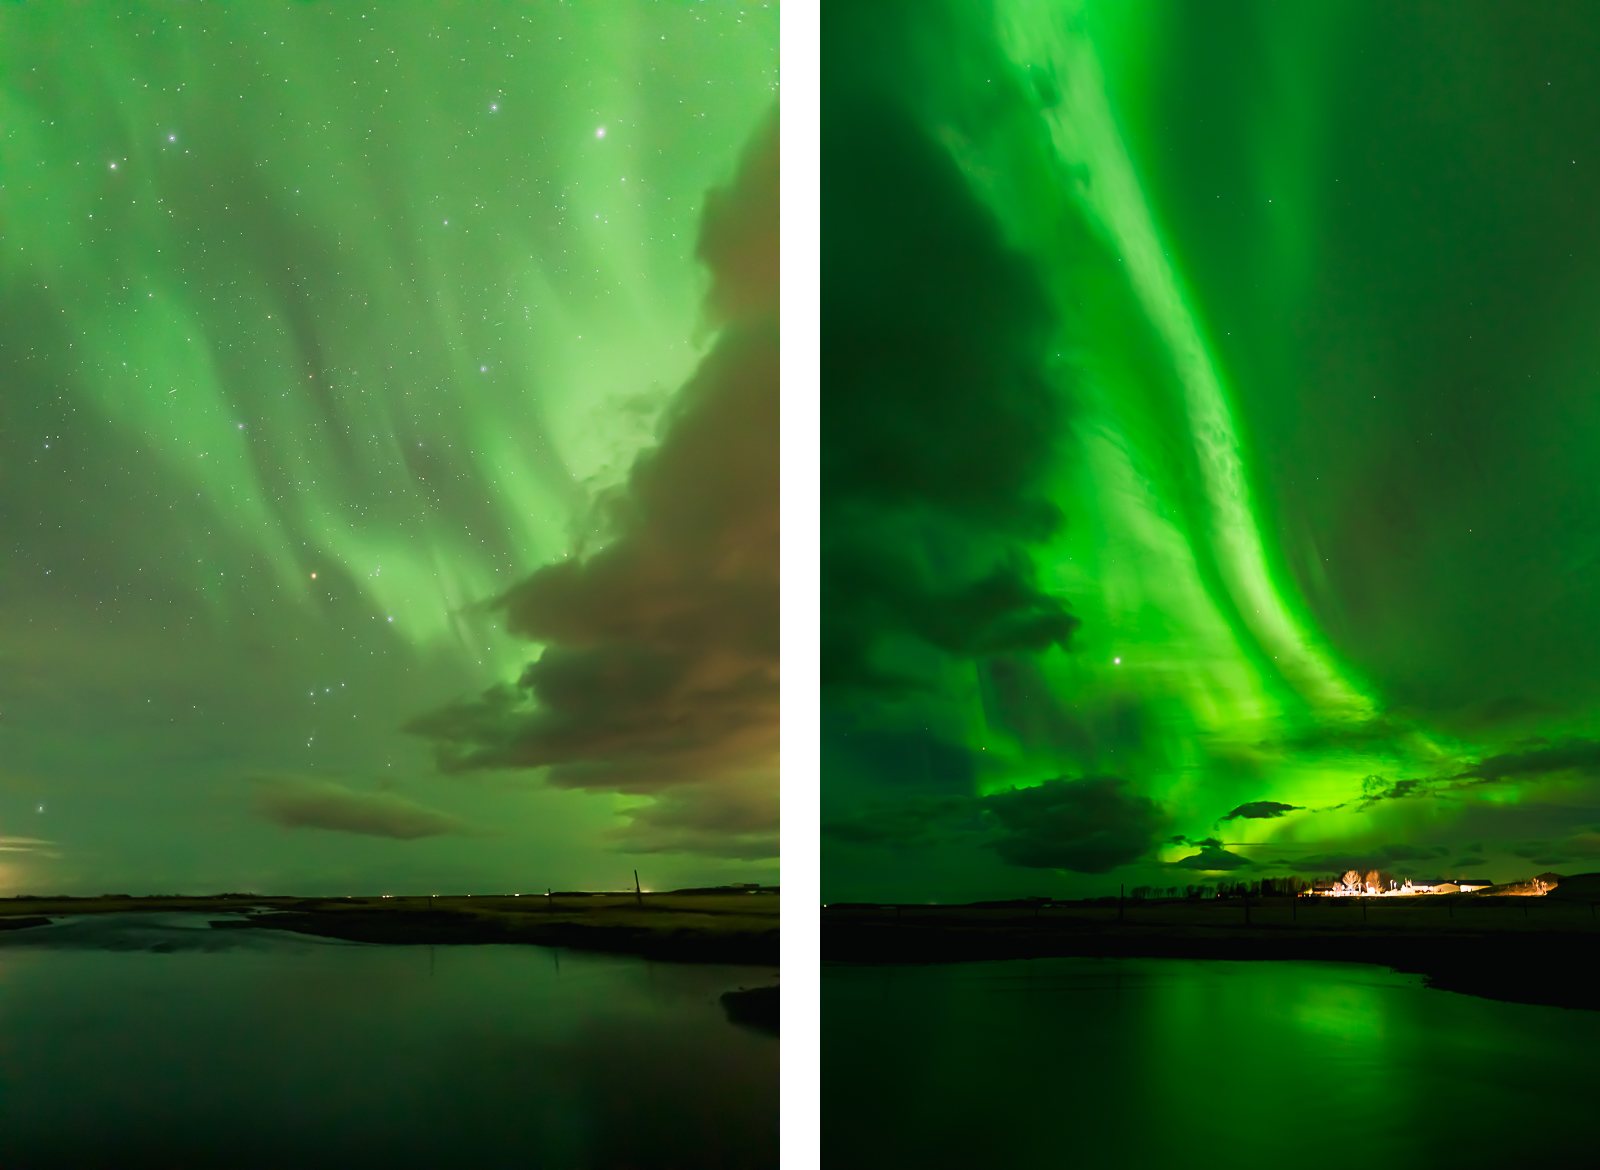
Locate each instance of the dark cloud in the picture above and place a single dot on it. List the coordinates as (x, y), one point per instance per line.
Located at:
(1376, 789)
(1086, 826)
(1492, 714)
(1260, 810)
(1584, 844)
(940, 426)
(918, 758)
(1343, 734)
(659, 673)
(300, 802)
(1539, 758)
(1213, 858)
(909, 822)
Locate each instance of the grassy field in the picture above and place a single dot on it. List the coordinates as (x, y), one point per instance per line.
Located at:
(713, 927)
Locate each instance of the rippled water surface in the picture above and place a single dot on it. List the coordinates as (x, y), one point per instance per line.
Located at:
(153, 1040)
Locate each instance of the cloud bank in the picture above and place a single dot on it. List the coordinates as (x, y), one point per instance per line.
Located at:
(1091, 825)
(658, 673)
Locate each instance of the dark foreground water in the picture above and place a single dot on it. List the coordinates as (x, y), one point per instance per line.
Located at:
(246, 1049)
(1199, 1065)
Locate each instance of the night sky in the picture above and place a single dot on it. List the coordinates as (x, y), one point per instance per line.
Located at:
(388, 491)
(1211, 400)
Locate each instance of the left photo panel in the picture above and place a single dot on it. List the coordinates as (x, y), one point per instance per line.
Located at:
(389, 585)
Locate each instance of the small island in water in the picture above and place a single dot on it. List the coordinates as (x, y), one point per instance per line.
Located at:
(1532, 941)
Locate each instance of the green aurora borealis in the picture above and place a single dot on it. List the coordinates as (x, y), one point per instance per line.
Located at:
(1208, 413)
(324, 325)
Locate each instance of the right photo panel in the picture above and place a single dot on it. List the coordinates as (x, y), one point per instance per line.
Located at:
(1210, 583)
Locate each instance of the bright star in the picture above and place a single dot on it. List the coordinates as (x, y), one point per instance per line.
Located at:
(599, 132)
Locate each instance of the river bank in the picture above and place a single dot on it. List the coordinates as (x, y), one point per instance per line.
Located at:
(691, 927)
(1520, 950)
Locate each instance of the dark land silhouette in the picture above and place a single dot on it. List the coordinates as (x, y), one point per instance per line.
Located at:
(1520, 949)
(706, 926)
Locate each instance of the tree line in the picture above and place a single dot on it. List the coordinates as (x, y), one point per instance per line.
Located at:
(1267, 887)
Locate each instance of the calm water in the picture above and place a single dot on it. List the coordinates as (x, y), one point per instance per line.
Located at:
(1199, 1065)
(256, 1049)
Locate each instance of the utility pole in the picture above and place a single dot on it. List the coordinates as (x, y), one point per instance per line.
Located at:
(638, 894)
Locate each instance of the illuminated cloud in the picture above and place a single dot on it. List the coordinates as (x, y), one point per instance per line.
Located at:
(301, 802)
(658, 673)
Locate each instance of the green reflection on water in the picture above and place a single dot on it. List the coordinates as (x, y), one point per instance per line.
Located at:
(1137, 1063)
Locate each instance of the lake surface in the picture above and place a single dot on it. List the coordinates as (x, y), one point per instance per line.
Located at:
(248, 1048)
(1192, 1064)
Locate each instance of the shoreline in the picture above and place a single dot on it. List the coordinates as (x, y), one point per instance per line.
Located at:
(734, 929)
(1501, 955)
(447, 928)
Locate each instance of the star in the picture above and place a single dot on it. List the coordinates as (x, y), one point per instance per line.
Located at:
(599, 132)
